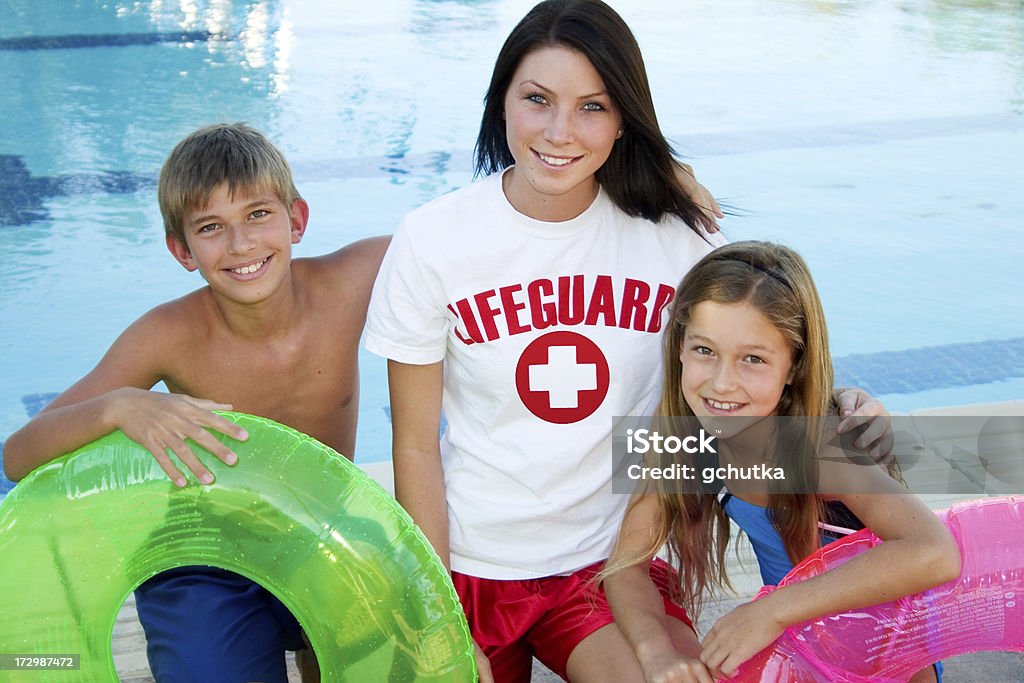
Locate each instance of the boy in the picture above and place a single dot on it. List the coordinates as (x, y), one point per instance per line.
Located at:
(267, 336)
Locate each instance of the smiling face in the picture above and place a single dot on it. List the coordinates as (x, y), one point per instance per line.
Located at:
(735, 362)
(561, 125)
(241, 244)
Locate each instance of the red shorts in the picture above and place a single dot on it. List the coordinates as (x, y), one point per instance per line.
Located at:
(516, 620)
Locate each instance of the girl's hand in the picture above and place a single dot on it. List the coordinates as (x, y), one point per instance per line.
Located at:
(162, 422)
(669, 666)
(740, 635)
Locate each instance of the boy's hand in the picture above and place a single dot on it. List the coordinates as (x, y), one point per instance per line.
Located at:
(162, 422)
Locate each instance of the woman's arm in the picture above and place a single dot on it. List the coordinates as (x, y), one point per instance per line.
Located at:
(416, 392)
(918, 553)
(415, 422)
(638, 607)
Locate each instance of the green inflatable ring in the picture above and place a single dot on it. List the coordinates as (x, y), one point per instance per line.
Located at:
(82, 532)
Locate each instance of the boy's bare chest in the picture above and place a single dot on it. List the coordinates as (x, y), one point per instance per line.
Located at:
(305, 383)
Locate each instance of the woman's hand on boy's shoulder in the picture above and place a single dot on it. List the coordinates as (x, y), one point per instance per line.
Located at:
(163, 423)
(863, 414)
(700, 195)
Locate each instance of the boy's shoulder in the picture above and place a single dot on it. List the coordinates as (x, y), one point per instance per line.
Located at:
(361, 255)
(150, 348)
(172, 320)
(354, 265)
(338, 285)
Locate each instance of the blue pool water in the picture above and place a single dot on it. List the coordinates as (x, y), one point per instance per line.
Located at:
(882, 139)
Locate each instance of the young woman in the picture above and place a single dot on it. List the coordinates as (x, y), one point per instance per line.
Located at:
(529, 306)
(746, 344)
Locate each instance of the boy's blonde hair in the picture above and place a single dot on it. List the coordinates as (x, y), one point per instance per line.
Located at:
(233, 153)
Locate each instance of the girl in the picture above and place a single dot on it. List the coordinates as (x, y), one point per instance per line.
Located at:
(529, 305)
(747, 341)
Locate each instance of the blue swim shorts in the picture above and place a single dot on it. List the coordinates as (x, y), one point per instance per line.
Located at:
(207, 625)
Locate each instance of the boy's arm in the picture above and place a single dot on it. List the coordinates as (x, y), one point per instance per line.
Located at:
(638, 607)
(114, 395)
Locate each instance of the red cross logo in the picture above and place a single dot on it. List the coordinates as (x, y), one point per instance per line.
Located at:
(562, 377)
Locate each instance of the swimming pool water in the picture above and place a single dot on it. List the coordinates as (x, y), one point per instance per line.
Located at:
(882, 140)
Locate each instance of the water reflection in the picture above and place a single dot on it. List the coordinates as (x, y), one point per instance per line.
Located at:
(891, 120)
(994, 28)
(120, 108)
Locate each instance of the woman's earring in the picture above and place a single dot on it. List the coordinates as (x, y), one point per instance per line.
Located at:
(619, 135)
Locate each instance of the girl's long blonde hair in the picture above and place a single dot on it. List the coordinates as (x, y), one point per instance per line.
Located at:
(775, 280)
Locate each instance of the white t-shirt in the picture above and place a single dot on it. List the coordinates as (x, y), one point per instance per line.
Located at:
(548, 332)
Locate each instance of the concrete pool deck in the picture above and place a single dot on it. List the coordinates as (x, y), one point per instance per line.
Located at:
(128, 642)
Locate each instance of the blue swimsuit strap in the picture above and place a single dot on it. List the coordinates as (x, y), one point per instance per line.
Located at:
(839, 520)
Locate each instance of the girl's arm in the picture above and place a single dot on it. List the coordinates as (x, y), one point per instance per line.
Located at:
(918, 553)
(638, 607)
